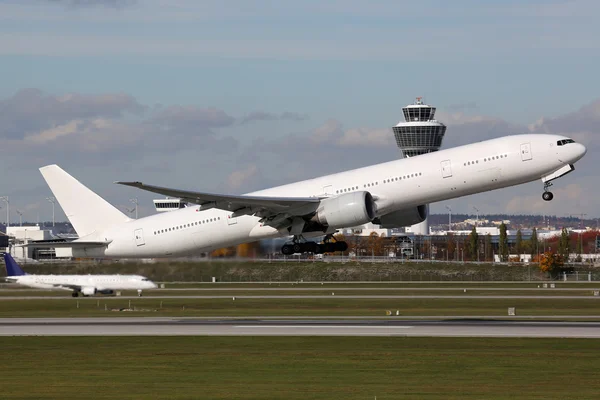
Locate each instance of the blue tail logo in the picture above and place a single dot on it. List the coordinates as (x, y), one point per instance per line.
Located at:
(12, 268)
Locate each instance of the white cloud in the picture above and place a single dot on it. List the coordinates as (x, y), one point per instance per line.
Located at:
(366, 137)
(240, 178)
(51, 134)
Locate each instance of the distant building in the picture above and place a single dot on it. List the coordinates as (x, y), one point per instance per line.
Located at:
(22, 235)
(367, 230)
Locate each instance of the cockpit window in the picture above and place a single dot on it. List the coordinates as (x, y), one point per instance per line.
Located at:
(564, 141)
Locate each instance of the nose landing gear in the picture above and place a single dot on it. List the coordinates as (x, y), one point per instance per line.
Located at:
(547, 195)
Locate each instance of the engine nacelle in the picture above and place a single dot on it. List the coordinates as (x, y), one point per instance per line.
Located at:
(346, 210)
(88, 290)
(400, 218)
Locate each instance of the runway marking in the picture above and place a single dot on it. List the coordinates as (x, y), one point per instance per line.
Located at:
(323, 326)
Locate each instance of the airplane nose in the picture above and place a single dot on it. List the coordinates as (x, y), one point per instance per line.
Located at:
(580, 150)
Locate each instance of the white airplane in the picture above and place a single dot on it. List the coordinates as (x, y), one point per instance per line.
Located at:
(87, 285)
(392, 194)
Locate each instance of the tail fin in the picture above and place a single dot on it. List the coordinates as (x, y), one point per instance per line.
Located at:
(86, 211)
(12, 268)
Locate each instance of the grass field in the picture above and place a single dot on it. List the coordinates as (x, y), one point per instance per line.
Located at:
(333, 306)
(298, 368)
(278, 271)
(320, 292)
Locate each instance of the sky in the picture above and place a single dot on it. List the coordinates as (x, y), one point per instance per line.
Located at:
(242, 95)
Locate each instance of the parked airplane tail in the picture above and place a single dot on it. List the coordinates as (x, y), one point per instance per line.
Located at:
(12, 268)
(87, 212)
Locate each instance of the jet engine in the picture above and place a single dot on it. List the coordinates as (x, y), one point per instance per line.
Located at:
(88, 290)
(350, 209)
(400, 218)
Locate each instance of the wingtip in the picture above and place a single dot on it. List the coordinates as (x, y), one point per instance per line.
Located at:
(136, 183)
(49, 167)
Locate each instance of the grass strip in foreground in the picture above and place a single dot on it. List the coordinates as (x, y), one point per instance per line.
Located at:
(295, 307)
(298, 368)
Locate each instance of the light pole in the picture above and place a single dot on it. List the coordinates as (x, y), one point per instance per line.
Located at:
(476, 215)
(53, 201)
(580, 249)
(135, 202)
(5, 199)
(20, 217)
(449, 218)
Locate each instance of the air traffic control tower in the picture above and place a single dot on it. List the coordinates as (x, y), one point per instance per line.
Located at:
(418, 134)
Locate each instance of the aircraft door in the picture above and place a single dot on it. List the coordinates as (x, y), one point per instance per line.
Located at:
(446, 169)
(526, 151)
(139, 237)
(328, 190)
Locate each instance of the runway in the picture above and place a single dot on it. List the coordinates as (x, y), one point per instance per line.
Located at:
(160, 326)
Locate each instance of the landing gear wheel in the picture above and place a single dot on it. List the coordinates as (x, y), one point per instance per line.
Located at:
(74, 294)
(329, 247)
(297, 247)
(319, 248)
(287, 249)
(310, 247)
(547, 196)
(341, 246)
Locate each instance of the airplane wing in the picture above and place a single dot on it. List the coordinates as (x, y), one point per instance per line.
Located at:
(262, 206)
(62, 244)
(67, 287)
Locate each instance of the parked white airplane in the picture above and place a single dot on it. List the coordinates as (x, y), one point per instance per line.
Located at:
(87, 285)
(392, 194)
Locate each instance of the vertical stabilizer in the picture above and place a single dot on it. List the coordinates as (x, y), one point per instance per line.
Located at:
(12, 268)
(87, 212)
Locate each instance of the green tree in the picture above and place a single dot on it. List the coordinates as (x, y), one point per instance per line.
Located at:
(564, 245)
(473, 244)
(533, 241)
(375, 244)
(487, 247)
(450, 246)
(503, 248)
(519, 244)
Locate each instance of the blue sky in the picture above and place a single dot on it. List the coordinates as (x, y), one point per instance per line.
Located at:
(342, 65)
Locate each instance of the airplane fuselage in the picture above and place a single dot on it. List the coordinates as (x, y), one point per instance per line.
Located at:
(98, 282)
(395, 185)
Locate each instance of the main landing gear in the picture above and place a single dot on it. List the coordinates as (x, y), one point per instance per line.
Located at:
(329, 245)
(547, 195)
(75, 294)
